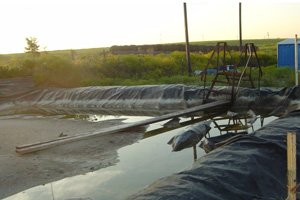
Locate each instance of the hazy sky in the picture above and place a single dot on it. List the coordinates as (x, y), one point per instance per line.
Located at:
(74, 24)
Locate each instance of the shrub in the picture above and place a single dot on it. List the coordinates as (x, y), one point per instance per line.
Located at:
(12, 72)
(266, 59)
(56, 71)
(278, 77)
(97, 82)
(90, 67)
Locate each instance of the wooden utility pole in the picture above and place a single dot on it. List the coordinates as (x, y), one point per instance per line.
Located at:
(291, 166)
(296, 58)
(187, 46)
(240, 22)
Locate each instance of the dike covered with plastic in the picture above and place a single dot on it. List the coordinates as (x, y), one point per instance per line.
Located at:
(19, 96)
(251, 167)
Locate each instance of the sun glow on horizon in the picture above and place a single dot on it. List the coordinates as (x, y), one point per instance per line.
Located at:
(90, 24)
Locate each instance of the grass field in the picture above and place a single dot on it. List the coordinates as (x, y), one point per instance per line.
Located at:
(96, 66)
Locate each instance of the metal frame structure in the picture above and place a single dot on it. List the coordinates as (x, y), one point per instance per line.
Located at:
(233, 78)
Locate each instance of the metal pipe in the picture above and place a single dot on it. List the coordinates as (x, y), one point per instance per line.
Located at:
(187, 47)
(260, 71)
(247, 48)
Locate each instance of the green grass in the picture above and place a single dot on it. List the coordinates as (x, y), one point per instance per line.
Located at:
(85, 67)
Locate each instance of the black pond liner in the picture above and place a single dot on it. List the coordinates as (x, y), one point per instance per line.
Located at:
(20, 96)
(253, 167)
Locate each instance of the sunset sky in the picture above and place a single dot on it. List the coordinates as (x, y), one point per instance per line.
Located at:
(66, 24)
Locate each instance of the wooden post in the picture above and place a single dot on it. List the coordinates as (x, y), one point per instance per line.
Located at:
(187, 46)
(291, 166)
(240, 26)
(195, 152)
(262, 122)
(296, 59)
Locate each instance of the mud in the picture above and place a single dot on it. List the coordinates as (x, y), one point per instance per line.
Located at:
(20, 172)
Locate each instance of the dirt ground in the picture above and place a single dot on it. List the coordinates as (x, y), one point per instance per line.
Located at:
(21, 172)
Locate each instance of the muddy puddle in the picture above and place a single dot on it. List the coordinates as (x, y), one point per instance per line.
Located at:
(139, 164)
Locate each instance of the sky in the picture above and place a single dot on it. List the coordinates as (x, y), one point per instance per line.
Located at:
(76, 24)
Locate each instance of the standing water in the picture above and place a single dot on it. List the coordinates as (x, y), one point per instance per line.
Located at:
(139, 165)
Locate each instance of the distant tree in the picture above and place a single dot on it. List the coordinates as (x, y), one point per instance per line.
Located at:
(32, 46)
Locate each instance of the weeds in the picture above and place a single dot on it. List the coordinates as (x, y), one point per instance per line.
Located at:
(89, 67)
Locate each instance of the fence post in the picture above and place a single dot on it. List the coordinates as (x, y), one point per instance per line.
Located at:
(291, 166)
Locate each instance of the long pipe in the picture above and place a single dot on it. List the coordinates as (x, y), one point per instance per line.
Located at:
(187, 46)
(296, 59)
(247, 48)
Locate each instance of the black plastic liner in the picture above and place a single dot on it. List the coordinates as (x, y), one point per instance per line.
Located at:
(250, 167)
(253, 167)
(263, 98)
(291, 103)
(19, 96)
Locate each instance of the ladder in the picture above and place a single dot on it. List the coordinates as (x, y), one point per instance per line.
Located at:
(230, 73)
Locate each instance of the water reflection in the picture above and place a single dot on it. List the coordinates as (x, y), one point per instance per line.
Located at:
(184, 123)
(140, 164)
(233, 125)
(237, 126)
(236, 121)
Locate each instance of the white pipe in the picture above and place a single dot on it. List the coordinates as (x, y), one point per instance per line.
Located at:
(296, 59)
(250, 55)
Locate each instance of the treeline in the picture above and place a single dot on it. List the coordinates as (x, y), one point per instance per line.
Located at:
(158, 49)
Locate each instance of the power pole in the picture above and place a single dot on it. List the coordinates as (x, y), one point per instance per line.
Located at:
(296, 59)
(240, 22)
(187, 47)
